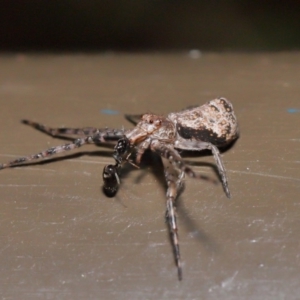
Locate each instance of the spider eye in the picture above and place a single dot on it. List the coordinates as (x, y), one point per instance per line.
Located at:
(151, 121)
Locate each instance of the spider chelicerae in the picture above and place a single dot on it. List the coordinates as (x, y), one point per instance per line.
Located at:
(209, 126)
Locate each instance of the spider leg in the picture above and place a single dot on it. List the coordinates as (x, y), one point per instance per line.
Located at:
(174, 184)
(141, 150)
(97, 138)
(110, 134)
(134, 119)
(178, 174)
(61, 130)
(198, 146)
(216, 153)
(174, 157)
(179, 181)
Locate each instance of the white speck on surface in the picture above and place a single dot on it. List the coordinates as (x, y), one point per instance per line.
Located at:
(195, 54)
(227, 283)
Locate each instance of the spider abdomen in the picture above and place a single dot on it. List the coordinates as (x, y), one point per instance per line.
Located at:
(213, 122)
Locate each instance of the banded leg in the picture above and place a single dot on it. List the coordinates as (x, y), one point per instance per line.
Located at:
(172, 191)
(141, 150)
(199, 146)
(61, 130)
(216, 153)
(54, 150)
(110, 134)
(174, 157)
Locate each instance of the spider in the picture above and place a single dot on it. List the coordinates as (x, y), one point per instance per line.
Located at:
(209, 126)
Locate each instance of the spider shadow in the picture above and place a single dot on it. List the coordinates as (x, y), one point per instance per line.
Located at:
(195, 230)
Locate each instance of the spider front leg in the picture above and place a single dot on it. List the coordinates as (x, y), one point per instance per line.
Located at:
(97, 138)
(61, 130)
(108, 134)
(175, 159)
(174, 184)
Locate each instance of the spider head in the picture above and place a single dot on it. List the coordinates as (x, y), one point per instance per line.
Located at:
(150, 123)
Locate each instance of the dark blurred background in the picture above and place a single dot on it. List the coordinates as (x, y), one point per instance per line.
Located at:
(145, 25)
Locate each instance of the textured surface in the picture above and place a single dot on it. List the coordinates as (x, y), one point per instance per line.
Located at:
(61, 238)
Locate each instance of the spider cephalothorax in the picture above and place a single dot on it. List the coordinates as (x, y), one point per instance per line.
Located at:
(198, 128)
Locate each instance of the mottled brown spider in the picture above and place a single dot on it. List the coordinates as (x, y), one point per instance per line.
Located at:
(209, 126)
